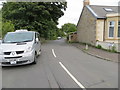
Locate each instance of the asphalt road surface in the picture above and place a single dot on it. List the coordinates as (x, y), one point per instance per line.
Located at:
(62, 66)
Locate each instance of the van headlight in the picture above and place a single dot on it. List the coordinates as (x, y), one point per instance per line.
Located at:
(28, 49)
(1, 52)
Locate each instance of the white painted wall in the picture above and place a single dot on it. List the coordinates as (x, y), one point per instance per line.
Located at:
(108, 45)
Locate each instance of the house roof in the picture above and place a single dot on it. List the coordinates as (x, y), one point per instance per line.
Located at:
(101, 11)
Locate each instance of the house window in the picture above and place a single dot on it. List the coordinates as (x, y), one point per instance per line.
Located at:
(118, 28)
(111, 28)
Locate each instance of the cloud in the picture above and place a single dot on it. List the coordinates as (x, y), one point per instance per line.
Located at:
(72, 13)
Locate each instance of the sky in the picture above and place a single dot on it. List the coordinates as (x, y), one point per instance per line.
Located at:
(72, 14)
(74, 8)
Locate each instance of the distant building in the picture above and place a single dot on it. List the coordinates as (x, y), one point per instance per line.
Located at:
(72, 37)
(99, 25)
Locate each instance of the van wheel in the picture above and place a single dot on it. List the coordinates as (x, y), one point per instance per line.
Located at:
(35, 59)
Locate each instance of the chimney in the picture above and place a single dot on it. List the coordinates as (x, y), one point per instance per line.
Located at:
(86, 2)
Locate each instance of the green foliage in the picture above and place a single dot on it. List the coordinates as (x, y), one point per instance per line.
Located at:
(99, 46)
(113, 49)
(60, 33)
(7, 27)
(68, 28)
(0, 24)
(38, 16)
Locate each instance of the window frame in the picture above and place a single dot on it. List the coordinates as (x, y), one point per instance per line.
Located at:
(109, 25)
(118, 30)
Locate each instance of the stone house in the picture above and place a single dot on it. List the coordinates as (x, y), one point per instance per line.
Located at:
(99, 25)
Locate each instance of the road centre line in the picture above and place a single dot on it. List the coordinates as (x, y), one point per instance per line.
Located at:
(54, 53)
(76, 81)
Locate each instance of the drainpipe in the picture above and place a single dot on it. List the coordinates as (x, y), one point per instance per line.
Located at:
(104, 31)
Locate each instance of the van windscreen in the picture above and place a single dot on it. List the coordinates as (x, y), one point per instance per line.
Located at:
(18, 37)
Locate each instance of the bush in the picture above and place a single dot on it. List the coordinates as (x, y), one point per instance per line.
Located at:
(113, 49)
(99, 46)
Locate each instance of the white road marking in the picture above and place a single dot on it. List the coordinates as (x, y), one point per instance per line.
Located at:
(76, 81)
(54, 53)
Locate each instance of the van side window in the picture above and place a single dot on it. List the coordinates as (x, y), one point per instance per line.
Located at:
(37, 36)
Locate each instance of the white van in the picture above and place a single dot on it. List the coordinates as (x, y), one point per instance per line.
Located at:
(20, 47)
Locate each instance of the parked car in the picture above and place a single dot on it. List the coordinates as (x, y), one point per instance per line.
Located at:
(20, 47)
(59, 38)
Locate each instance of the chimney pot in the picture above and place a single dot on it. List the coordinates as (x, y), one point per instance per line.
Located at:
(86, 2)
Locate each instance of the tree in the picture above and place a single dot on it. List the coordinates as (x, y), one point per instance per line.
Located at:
(68, 28)
(60, 33)
(0, 30)
(39, 16)
(7, 26)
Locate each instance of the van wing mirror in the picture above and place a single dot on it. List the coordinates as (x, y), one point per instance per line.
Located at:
(37, 40)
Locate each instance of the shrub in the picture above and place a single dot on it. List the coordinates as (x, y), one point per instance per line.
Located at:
(99, 46)
(113, 49)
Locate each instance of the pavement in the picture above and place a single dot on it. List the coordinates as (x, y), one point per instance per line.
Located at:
(99, 53)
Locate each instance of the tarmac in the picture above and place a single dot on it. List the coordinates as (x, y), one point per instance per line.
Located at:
(99, 53)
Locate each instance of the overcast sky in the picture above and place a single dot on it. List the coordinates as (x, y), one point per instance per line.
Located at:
(74, 9)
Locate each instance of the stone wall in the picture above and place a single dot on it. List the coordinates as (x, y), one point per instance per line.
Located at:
(100, 26)
(86, 28)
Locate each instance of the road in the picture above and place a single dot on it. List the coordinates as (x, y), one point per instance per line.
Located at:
(62, 66)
